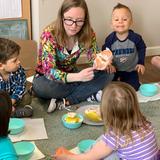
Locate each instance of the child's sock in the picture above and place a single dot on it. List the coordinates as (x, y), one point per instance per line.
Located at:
(64, 104)
(99, 95)
(95, 97)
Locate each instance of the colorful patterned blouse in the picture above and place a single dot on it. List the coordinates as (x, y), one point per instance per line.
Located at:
(55, 62)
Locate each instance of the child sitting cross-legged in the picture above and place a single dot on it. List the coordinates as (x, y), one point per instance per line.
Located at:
(13, 79)
(128, 134)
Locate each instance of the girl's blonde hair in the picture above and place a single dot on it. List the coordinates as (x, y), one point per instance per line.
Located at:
(85, 34)
(120, 110)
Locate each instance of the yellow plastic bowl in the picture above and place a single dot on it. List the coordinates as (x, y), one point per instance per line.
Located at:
(73, 125)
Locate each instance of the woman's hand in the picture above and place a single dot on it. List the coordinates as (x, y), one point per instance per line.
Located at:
(82, 76)
(140, 68)
(86, 74)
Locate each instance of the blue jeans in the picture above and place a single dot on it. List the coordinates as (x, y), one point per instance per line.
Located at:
(75, 92)
(131, 78)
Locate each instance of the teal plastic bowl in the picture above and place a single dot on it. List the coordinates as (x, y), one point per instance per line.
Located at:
(16, 125)
(24, 150)
(72, 125)
(148, 90)
(85, 145)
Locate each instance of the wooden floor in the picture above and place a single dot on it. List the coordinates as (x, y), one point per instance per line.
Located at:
(152, 74)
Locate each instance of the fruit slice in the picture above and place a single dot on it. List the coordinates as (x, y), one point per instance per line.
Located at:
(72, 118)
(103, 59)
(93, 114)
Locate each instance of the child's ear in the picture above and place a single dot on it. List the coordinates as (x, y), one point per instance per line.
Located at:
(1, 66)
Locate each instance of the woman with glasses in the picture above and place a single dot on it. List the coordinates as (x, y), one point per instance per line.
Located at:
(61, 45)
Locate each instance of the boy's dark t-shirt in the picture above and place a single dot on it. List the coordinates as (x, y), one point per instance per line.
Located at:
(127, 53)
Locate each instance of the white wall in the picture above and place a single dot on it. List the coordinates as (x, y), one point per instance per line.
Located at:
(35, 20)
(145, 13)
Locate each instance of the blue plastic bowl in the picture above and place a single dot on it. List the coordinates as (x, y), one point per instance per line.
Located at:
(72, 125)
(148, 90)
(24, 150)
(16, 125)
(85, 145)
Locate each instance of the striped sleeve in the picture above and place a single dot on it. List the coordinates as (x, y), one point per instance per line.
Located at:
(141, 148)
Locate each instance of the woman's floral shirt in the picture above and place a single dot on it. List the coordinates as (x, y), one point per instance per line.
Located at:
(55, 62)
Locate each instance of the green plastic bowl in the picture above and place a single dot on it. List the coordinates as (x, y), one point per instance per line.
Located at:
(85, 145)
(16, 125)
(148, 90)
(72, 125)
(24, 150)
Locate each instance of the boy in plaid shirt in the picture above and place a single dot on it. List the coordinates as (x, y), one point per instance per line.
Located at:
(13, 78)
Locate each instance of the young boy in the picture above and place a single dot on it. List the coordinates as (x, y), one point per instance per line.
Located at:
(13, 79)
(128, 48)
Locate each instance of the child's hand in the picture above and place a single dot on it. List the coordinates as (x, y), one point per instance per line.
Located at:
(110, 69)
(13, 109)
(140, 68)
(13, 101)
(60, 157)
(62, 154)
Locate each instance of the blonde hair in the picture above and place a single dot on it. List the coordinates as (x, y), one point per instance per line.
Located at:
(120, 110)
(85, 34)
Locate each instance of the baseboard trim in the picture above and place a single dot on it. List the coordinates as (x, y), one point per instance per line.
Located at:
(153, 51)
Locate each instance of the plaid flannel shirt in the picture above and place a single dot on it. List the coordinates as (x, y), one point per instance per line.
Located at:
(15, 85)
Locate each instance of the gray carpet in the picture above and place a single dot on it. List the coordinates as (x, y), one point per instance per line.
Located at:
(58, 135)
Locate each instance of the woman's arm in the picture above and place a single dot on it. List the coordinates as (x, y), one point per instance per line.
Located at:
(47, 57)
(83, 76)
(99, 151)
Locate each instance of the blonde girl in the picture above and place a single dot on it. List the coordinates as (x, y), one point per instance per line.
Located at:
(127, 131)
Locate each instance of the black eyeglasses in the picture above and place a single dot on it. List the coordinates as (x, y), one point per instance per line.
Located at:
(70, 22)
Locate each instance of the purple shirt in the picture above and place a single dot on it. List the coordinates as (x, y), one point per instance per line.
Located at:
(140, 149)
